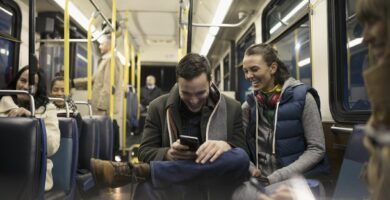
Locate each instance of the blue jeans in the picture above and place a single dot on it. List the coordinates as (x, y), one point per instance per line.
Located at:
(185, 179)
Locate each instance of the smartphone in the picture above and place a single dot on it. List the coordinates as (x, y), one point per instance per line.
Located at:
(190, 141)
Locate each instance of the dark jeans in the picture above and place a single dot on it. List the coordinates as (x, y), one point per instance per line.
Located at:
(185, 179)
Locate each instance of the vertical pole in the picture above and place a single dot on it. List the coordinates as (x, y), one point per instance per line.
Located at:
(31, 47)
(66, 49)
(113, 58)
(189, 38)
(125, 83)
(138, 81)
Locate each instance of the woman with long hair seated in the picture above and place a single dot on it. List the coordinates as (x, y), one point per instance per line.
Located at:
(19, 105)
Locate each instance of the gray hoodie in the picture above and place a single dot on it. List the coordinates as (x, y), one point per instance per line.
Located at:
(314, 136)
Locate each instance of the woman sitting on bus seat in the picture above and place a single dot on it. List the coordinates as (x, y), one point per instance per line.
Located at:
(281, 119)
(57, 91)
(19, 105)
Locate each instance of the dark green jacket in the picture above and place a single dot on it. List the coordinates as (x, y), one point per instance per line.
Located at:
(156, 142)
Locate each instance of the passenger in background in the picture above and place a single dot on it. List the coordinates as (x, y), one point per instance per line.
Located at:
(149, 92)
(194, 107)
(282, 121)
(57, 91)
(101, 82)
(375, 16)
(19, 105)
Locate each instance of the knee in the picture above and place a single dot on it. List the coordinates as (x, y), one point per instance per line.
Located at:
(240, 155)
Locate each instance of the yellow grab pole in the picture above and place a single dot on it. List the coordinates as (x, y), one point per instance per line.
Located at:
(66, 49)
(138, 81)
(125, 84)
(89, 57)
(112, 75)
(132, 67)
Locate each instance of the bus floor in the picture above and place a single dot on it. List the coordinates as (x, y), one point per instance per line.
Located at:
(121, 193)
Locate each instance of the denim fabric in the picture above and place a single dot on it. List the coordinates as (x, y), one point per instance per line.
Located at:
(185, 179)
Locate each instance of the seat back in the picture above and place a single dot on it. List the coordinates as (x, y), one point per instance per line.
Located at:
(106, 137)
(23, 158)
(65, 160)
(88, 143)
(349, 185)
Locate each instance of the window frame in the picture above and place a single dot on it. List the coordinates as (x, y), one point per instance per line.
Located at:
(16, 30)
(337, 55)
(265, 36)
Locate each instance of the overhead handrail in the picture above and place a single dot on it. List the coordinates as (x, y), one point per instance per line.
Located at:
(15, 92)
(87, 104)
(63, 100)
(96, 13)
(103, 16)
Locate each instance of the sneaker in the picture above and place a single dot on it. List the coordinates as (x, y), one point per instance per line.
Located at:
(116, 174)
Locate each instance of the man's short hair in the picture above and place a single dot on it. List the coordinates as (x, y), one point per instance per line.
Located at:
(193, 65)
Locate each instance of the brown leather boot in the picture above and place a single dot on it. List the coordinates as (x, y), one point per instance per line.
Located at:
(116, 174)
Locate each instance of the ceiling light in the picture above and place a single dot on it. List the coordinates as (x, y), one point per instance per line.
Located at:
(75, 13)
(222, 9)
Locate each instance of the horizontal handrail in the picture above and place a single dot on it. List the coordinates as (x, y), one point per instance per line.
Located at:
(85, 103)
(63, 100)
(339, 129)
(15, 92)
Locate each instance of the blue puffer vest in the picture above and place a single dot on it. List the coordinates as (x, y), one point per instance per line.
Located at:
(290, 141)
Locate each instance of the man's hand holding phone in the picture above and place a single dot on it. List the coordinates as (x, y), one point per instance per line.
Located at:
(179, 151)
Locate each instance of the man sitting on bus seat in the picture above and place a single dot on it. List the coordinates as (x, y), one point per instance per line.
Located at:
(193, 107)
(149, 92)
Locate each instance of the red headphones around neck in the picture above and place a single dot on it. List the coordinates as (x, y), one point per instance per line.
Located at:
(268, 102)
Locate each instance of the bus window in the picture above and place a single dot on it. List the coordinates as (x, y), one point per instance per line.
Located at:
(294, 51)
(10, 27)
(282, 14)
(348, 57)
(226, 72)
(354, 95)
(243, 43)
(287, 28)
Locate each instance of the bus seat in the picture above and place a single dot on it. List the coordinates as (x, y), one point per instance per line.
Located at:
(65, 162)
(23, 158)
(88, 148)
(106, 137)
(349, 185)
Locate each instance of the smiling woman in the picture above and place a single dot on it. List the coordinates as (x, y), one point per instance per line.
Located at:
(19, 106)
(281, 113)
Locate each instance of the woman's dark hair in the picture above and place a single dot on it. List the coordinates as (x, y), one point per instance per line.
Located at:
(270, 55)
(193, 65)
(40, 95)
